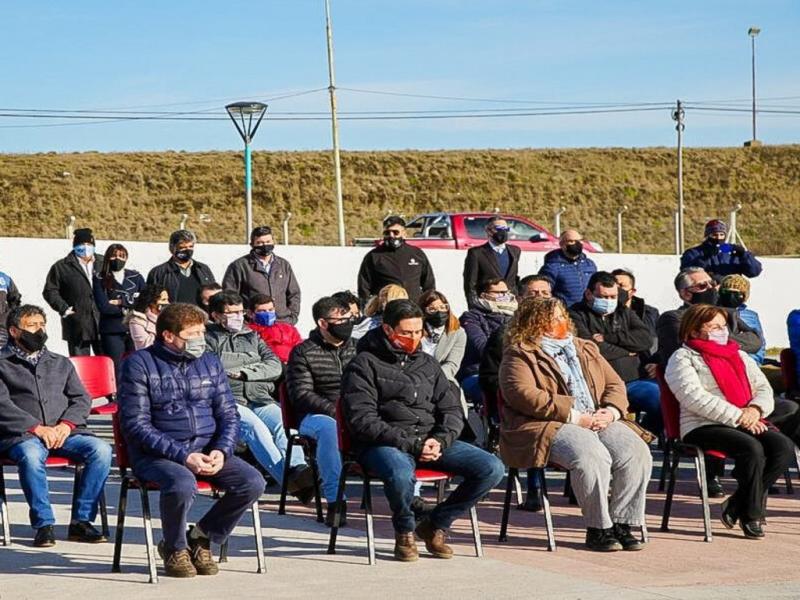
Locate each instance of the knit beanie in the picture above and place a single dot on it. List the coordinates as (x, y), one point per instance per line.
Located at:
(83, 236)
(715, 226)
(736, 283)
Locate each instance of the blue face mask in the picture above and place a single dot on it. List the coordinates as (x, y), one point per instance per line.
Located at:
(265, 318)
(604, 306)
(83, 250)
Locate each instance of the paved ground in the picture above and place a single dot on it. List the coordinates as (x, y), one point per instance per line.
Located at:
(677, 564)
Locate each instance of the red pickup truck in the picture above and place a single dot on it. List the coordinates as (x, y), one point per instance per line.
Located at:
(468, 229)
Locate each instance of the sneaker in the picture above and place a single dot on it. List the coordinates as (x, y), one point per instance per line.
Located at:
(177, 563)
(602, 540)
(300, 477)
(726, 516)
(434, 539)
(714, 488)
(331, 513)
(200, 554)
(752, 529)
(85, 532)
(405, 548)
(622, 531)
(45, 537)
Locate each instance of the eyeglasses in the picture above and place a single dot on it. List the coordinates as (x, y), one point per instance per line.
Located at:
(339, 320)
(702, 286)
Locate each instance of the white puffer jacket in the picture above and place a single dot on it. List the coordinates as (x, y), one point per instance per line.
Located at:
(702, 402)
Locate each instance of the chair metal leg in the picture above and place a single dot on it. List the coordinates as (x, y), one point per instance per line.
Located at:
(700, 467)
(285, 478)
(76, 484)
(262, 566)
(104, 513)
(440, 487)
(123, 507)
(148, 535)
(568, 492)
(223, 552)
(673, 476)
(368, 510)
(510, 479)
(645, 537)
(336, 514)
(518, 489)
(662, 479)
(476, 532)
(548, 518)
(317, 491)
(789, 487)
(4, 510)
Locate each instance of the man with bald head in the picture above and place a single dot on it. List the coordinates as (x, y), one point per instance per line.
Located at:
(568, 268)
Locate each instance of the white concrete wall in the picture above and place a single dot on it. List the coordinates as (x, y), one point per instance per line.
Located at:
(322, 270)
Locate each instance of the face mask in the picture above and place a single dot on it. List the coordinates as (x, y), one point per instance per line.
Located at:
(604, 306)
(31, 342)
(160, 307)
(116, 264)
(560, 331)
(184, 255)
(731, 298)
(719, 336)
(234, 322)
(406, 344)
(573, 250)
(194, 347)
(83, 250)
(437, 319)
(265, 318)
(709, 296)
(500, 236)
(264, 250)
(341, 331)
(392, 243)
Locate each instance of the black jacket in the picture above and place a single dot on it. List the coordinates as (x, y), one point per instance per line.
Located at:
(168, 273)
(647, 314)
(314, 375)
(395, 399)
(624, 334)
(407, 266)
(67, 286)
(247, 277)
(10, 299)
(44, 394)
(111, 315)
(481, 264)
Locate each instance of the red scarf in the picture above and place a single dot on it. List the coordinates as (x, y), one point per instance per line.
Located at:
(728, 369)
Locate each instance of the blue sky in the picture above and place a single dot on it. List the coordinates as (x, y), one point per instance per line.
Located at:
(197, 55)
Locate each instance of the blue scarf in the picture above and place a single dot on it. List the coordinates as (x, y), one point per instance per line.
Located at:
(566, 356)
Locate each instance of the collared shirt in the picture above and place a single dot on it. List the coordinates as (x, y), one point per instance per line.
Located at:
(266, 267)
(499, 248)
(187, 272)
(88, 267)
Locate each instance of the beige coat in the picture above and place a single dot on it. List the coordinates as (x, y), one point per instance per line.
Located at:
(537, 402)
(142, 327)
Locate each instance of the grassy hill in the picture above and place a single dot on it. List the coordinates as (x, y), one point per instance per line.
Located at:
(143, 195)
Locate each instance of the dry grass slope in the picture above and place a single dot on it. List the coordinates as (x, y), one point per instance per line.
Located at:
(142, 195)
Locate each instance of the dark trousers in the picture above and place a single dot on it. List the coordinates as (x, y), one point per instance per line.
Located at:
(759, 461)
(114, 345)
(84, 347)
(242, 485)
(480, 470)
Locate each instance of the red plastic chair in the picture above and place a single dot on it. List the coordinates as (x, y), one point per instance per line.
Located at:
(351, 467)
(130, 481)
(291, 424)
(97, 375)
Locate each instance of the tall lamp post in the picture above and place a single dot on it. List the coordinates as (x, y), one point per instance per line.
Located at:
(337, 161)
(753, 32)
(247, 117)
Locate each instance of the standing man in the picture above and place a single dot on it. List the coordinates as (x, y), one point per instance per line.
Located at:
(10, 299)
(68, 291)
(181, 275)
(493, 259)
(568, 268)
(261, 272)
(719, 258)
(394, 261)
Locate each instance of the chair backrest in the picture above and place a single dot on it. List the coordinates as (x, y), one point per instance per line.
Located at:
(670, 409)
(120, 449)
(341, 429)
(97, 375)
(288, 414)
(789, 369)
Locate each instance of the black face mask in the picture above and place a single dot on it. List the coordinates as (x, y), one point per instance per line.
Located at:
(573, 250)
(264, 250)
(341, 331)
(184, 255)
(393, 243)
(622, 297)
(32, 342)
(709, 296)
(500, 237)
(117, 264)
(731, 298)
(437, 319)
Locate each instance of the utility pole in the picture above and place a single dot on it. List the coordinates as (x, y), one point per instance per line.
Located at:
(677, 115)
(620, 211)
(753, 32)
(337, 162)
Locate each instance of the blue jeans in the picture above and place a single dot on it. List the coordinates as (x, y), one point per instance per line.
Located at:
(322, 428)
(644, 396)
(480, 471)
(30, 456)
(266, 439)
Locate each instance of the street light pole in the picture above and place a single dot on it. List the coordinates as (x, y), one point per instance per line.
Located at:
(677, 115)
(620, 211)
(337, 163)
(753, 32)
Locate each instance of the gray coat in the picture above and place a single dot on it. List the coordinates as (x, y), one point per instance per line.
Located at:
(450, 351)
(44, 394)
(247, 277)
(247, 354)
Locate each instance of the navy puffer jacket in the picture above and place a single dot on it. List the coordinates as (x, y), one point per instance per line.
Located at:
(569, 277)
(171, 406)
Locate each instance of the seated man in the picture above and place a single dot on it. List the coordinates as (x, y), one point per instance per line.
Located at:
(252, 370)
(43, 412)
(179, 420)
(280, 337)
(403, 413)
(314, 381)
(603, 318)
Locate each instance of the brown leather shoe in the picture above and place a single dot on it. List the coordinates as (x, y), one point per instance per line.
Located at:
(405, 547)
(434, 539)
(176, 563)
(200, 553)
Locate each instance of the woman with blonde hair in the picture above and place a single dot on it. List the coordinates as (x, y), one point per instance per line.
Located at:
(374, 308)
(564, 404)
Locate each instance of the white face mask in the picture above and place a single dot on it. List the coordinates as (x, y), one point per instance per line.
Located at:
(719, 336)
(234, 322)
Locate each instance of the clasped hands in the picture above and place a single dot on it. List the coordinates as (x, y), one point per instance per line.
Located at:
(751, 421)
(205, 465)
(53, 437)
(598, 420)
(431, 450)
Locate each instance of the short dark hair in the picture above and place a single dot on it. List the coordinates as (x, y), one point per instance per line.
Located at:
(485, 284)
(394, 220)
(218, 302)
(323, 307)
(494, 219)
(177, 317)
(260, 299)
(207, 287)
(604, 278)
(26, 310)
(347, 296)
(149, 295)
(626, 273)
(397, 310)
(523, 283)
(259, 231)
(182, 235)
